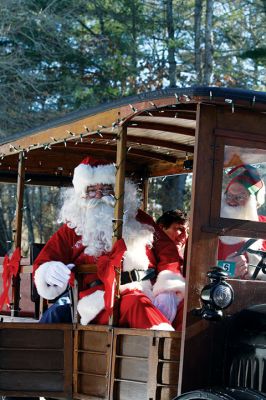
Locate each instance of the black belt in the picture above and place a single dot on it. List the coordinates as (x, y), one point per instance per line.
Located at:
(92, 284)
(136, 275)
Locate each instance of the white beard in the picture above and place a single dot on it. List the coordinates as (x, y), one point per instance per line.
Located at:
(247, 212)
(92, 219)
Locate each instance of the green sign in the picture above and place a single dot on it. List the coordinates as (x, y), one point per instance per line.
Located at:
(228, 266)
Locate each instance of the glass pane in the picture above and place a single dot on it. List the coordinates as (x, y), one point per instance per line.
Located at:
(243, 197)
(243, 189)
(169, 193)
(242, 258)
(41, 206)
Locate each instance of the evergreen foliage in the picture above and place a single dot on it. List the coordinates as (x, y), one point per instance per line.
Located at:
(62, 55)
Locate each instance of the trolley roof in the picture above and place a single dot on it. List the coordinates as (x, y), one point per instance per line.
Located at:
(161, 129)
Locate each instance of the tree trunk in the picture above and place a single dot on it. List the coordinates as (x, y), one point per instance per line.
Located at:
(28, 218)
(10, 210)
(173, 190)
(264, 5)
(40, 216)
(197, 41)
(171, 42)
(134, 57)
(208, 43)
(4, 238)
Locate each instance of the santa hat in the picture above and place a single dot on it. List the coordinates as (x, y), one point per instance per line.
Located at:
(250, 178)
(91, 172)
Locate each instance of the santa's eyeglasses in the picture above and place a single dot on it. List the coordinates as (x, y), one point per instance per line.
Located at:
(91, 193)
(236, 197)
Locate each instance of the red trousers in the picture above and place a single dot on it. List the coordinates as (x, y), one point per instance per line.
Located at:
(136, 311)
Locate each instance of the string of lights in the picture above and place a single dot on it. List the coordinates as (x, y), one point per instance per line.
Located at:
(89, 134)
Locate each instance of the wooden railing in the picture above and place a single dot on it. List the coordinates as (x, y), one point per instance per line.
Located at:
(26, 267)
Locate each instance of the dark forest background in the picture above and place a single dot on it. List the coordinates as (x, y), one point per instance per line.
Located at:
(63, 55)
(58, 56)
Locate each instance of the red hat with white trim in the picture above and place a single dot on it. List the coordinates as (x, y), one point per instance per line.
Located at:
(92, 172)
(250, 178)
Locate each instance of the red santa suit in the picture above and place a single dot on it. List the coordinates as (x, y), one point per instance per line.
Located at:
(226, 249)
(136, 309)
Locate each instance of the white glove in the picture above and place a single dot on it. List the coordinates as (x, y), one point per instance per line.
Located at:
(167, 303)
(58, 274)
(90, 306)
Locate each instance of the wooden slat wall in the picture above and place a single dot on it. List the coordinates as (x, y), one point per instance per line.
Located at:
(145, 364)
(36, 360)
(92, 362)
(124, 364)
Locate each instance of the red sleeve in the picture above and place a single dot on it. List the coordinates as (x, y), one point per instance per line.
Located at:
(166, 252)
(164, 249)
(145, 218)
(58, 248)
(106, 266)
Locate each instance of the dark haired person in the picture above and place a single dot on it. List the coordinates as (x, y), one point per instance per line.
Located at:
(170, 240)
(175, 225)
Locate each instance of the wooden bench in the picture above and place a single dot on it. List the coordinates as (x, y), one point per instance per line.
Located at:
(88, 362)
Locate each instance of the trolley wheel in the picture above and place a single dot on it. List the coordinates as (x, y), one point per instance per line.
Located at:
(208, 394)
(245, 394)
(222, 394)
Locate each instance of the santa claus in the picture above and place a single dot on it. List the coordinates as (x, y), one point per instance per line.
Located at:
(244, 194)
(86, 237)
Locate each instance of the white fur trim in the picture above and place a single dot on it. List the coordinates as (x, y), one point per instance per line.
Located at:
(135, 258)
(162, 327)
(260, 195)
(46, 291)
(86, 175)
(90, 306)
(169, 281)
(231, 239)
(137, 237)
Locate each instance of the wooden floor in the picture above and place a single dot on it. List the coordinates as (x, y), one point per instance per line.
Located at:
(7, 318)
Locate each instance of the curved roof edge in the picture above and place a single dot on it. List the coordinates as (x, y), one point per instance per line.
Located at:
(208, 91)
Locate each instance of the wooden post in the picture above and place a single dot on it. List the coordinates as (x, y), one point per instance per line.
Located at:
(145, 192)
(200, 259)
(119, 207)
(120, 183)
(18, 229)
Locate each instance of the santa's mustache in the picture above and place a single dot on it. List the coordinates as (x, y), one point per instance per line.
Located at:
(248, 212)
(92, 203)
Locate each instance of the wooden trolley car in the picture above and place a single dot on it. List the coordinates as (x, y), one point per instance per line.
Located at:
(155, 135)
